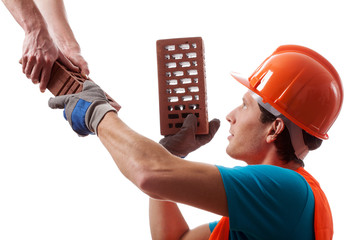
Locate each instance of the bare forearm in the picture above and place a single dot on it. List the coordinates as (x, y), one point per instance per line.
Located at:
(166, 220)
(26, 14)
(54, 13)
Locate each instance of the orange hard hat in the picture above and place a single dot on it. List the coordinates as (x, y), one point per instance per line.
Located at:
(300, 84)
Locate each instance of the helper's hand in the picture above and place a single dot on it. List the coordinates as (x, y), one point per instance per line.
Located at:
(85, 110)
(39, 55)
(186, 141)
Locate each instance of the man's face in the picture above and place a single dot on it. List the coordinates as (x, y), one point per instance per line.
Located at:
(247, 141)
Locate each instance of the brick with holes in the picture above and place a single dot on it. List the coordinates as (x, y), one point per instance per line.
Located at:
(63, 81)
(182, 83)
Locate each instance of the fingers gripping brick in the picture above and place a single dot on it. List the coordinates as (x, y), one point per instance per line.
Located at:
(182, 85)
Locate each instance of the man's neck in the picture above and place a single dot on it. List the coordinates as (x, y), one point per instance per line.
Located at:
(277, 162)
(271, 157)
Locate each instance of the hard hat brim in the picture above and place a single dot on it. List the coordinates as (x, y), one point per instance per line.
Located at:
(243, 80)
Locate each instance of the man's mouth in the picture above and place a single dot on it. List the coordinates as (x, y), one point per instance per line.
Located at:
(231, 136)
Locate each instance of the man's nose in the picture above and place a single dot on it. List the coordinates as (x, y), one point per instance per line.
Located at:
(230, 117)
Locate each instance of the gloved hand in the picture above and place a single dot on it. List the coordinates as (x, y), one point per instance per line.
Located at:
(185, 141)
(83, 110)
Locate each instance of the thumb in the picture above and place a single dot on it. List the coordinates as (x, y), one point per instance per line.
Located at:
(190, 123)
(213, 128)
(80, 62)
(57, 102)
(67, 63)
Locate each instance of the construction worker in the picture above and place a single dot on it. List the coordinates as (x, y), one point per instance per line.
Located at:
(294, 98)
(48, 37)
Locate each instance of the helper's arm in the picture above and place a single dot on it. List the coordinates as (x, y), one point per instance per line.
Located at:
(39, 50)
(54, 13)
(26, 14)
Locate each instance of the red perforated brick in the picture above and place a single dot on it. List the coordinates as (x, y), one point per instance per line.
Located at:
(182, 85)
(63, 81)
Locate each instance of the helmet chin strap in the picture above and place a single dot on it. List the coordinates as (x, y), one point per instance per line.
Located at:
(296, 134)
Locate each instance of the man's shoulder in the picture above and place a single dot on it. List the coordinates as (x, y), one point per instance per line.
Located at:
(261, 170)
(267, 175)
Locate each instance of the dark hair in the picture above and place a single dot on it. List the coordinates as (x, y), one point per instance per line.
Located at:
(283, 141)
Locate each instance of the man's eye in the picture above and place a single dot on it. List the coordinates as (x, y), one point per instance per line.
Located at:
(244, 106)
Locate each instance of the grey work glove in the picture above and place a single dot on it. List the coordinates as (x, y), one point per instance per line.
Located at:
(186, 141)
(83, 110)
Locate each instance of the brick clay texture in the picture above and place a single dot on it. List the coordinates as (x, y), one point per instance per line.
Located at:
(63, 81)
(182, 85)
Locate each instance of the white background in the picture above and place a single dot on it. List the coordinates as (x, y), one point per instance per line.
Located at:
(55, 185)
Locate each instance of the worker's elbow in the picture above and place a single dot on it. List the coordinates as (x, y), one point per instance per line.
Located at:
(149, 183)
(154, 175)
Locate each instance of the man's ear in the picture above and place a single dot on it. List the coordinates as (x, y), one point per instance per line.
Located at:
(275, 129)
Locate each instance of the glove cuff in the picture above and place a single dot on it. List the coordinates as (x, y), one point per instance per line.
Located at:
(96, 113)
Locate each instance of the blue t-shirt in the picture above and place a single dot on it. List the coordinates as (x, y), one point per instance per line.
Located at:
(268, 202)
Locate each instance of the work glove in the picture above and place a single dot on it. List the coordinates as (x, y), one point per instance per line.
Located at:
(186, 141)
(85, 110)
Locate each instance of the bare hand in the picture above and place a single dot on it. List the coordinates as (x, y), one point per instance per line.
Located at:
(39, 55)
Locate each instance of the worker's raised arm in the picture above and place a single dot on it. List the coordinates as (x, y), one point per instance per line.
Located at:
(39, 50)
(144, 162)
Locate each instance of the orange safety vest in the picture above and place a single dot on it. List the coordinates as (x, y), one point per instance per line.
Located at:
(323, 223)
(221, 231)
